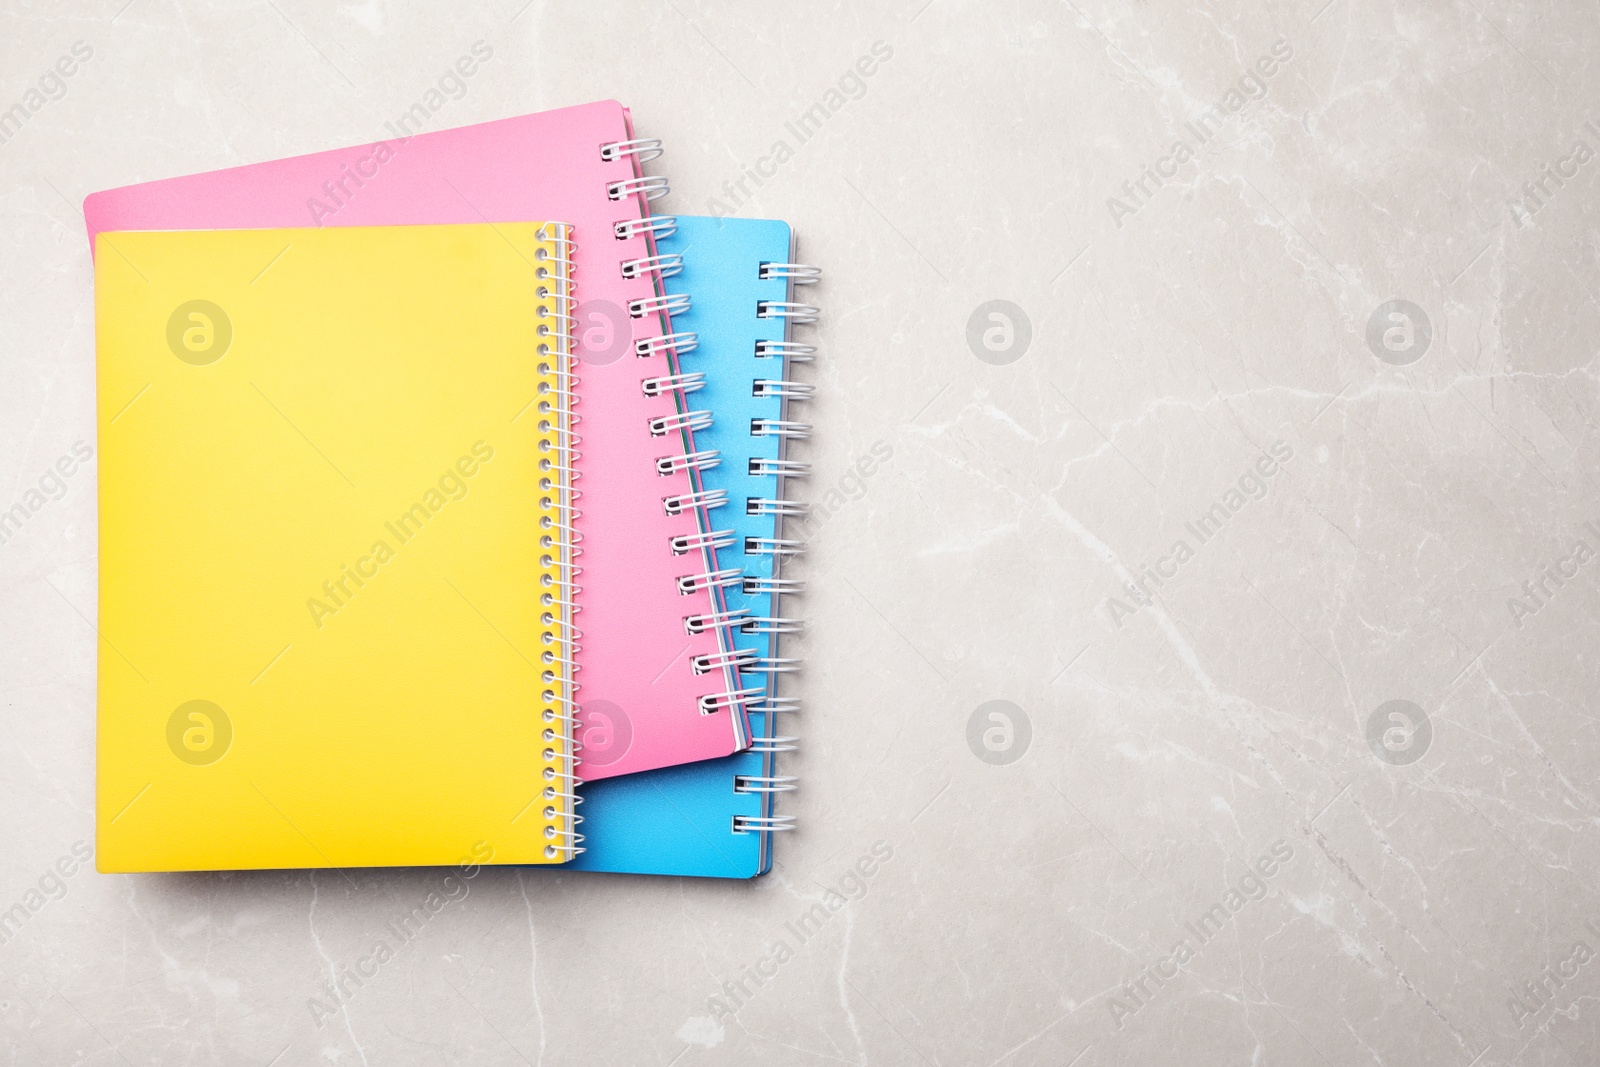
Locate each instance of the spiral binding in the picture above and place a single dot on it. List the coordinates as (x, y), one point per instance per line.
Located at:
(702, 460)
(683, 423)
(705, 539)
(660, 266)
(757, 505)
(788, 351)
(765, 387)
(642, 149)
(673, 383)
(716, 620)
(680, 344)
(667, 304)
(662, 425)
(779, 428)
(797, 273)
(653, 187)
(714, 701)
(799, 314)
(756, 585)
(720, 579)
(764, 783)
(770, 624)
(558, 476)
(700, 498)
(772, 666)
(740, 658)
(773, 546)
(650, 226)
(783, 468)
(751, 783)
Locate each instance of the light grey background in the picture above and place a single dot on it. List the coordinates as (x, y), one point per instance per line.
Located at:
(1176, 738)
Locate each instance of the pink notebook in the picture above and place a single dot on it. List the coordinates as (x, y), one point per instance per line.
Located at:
(655, 690)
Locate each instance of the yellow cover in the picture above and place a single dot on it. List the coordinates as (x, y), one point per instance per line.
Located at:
(332, 568)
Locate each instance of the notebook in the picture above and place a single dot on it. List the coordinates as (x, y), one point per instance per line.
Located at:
(717, 818)
(643, 704)
(328, 636)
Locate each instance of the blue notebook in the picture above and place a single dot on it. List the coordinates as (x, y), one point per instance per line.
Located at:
(717, 818)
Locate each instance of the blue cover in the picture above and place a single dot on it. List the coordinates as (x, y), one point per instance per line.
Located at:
(680, 820)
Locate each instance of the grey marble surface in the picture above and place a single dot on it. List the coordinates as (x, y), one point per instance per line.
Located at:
(1287, 416)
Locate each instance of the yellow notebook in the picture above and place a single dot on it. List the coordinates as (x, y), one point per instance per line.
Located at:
(334, 576)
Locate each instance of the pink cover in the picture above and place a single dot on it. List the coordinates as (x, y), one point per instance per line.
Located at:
(635, 651)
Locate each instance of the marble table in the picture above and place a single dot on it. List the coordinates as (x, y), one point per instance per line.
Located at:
(1201, 671)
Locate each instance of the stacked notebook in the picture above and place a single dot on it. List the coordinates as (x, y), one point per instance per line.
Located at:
(445, 526)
